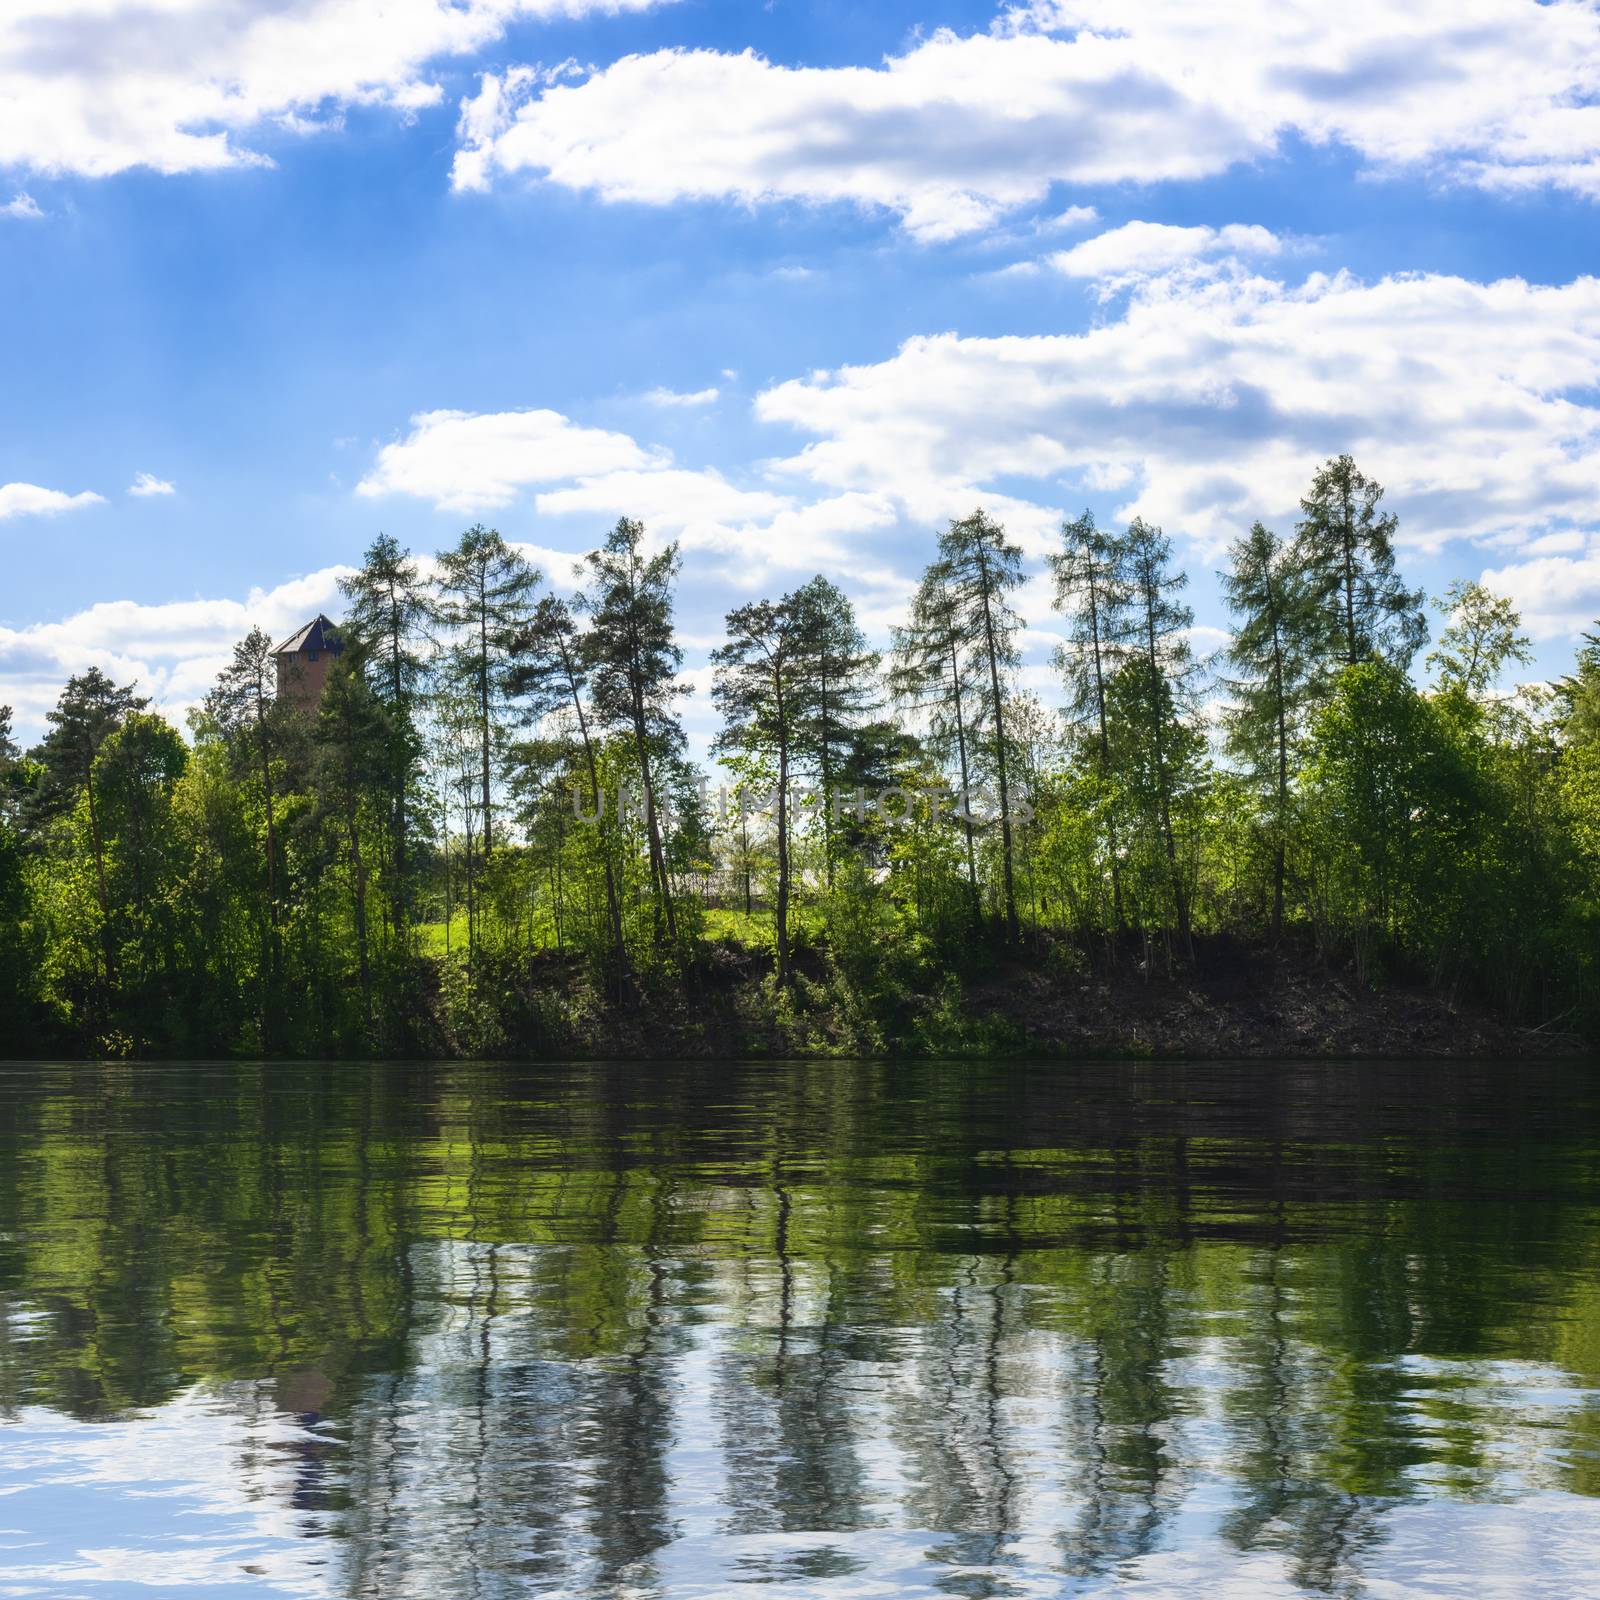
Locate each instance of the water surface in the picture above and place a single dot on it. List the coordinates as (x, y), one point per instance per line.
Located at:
(814, 1330)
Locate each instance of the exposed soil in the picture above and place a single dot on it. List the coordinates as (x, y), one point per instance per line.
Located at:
(1234, 1000)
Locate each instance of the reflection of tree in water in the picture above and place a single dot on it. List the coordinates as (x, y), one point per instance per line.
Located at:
(1281, 1444)
(484, 1294)
(1119, 1414)
(786, 1414)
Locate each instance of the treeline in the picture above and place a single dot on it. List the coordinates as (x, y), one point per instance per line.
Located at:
(492, 806)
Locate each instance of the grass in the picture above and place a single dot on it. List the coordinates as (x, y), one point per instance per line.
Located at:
(753, 931)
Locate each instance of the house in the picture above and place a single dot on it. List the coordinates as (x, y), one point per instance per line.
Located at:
(303, 661)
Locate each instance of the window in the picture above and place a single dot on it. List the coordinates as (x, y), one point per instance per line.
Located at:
(311, 655)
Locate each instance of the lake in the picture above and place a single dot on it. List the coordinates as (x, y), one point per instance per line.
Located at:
(799, 1330)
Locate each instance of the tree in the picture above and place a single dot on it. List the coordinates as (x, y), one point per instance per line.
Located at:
(1398, 814)
(389, 612)
(838, 687)
(632, 658)
(1483, 634)
(982, 570)
(1345, 547)
(1160, 694)
(761, 673)
(352, 737)
(1578, 696)
(1094, 592)
(932, 672)
(547, 674)
(485, 590)
(1273, 648)
(90, 710)
(136, 771)
(244, 709)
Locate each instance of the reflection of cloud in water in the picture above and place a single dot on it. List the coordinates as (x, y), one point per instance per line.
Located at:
(741, 1450)
(192, 1493)
(841, 1332)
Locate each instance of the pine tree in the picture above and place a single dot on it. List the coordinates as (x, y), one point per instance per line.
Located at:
(1094, 592)
(982, 570)
(932, 674)
(388, 616)
(243, 707)
(1345, 547)
(1274, 648)
(485, 592)
(1161, 693)
(548, 675)
(761, 690)
(632, 658)
(353, 737)
(839, 690)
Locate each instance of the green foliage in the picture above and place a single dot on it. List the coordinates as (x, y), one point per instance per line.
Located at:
(487, 835)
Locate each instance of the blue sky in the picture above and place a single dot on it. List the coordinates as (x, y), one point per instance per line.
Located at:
(794, 283)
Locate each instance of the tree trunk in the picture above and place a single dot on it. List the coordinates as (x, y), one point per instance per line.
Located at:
(613, 906)
(966, 780)
(783, 830)
(1012, 928)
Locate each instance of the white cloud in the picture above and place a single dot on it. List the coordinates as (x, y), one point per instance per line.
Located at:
(146, 483)
(960, 129)
(667, 499)
(22, 208)
(1556, 594)
(98, 86)
(1140, 248)
(28, 499)
(1072, 217)
(677, 397)
(465, 461)
(1213, 401)
(174, 650)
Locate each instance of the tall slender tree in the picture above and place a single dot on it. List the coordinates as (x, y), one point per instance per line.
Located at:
(548, 674)
(485, 592)
(353, 735)
(932, 672)
(632, 658)
(388, 616)
(983, 570)
(1167, 670)
(244, 709)
(1345, 546)
(1273, 649)
(761, 690)
(1094, 592)
(838, 686)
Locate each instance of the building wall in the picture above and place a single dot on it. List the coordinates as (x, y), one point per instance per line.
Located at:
(301, 680)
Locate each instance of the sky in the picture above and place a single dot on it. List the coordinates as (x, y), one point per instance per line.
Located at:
(795, 284)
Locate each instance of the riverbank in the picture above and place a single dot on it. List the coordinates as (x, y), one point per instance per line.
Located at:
(1233, 1001)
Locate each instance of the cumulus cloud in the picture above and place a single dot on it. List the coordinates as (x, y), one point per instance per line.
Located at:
(1556, 594)
(960, 129)
(146, 483)
(480, 461)
(173, 650)
(679, 397)
(1210, 403)
(22, 208)
(98, 86)
(28, 499)
(1138, 249)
